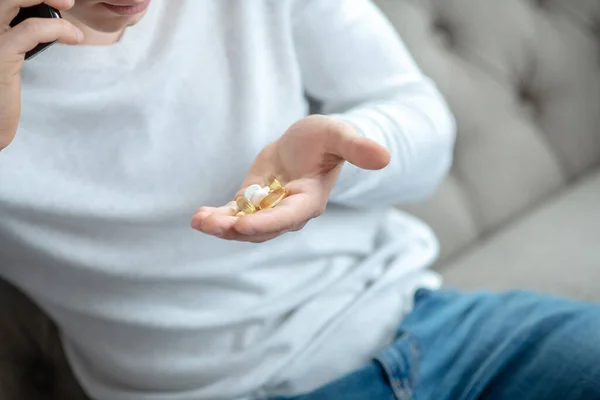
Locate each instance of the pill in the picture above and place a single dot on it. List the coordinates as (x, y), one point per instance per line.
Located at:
(250, 190)
(273, 183)
(258, 196)
(273, 198)
(245, 205)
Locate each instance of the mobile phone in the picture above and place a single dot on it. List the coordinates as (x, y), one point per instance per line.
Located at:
(39, 11)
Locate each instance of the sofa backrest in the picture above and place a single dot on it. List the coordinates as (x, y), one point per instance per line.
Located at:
(523, 80)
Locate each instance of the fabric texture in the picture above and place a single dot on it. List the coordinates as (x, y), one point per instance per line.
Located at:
(482, 345)
(119, 145)
(522, 78)
(555, 248)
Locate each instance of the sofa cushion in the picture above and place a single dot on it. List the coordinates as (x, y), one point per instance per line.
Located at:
(523, 80)
(32, 362)
(555, 249)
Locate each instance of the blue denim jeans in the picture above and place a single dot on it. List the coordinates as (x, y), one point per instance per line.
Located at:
(510, 346)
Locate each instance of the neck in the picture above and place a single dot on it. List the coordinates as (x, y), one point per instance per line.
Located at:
(93, 37)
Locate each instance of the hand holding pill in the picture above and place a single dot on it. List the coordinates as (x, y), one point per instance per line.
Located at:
(290, 181)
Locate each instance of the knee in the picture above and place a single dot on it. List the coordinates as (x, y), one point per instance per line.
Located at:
(565, 346)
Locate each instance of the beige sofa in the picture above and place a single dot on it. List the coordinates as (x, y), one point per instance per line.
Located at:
(521, 207)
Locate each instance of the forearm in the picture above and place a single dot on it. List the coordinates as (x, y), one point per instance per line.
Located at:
(417, 128)
(355, 65)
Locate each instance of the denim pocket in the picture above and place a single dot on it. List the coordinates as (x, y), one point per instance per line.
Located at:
(400, 361)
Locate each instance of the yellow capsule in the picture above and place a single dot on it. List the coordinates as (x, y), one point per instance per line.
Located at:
(240, 214)
(273, 183)
(273, 198)
(245, 205)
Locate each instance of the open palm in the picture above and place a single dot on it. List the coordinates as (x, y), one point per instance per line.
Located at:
(307, 160)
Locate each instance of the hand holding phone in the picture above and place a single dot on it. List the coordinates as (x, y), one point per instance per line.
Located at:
(26, 28)
(39, 11)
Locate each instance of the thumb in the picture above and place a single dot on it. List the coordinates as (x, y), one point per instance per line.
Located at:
(346, 143)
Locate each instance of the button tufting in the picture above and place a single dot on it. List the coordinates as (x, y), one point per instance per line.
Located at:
(530, 101)
(443, 29)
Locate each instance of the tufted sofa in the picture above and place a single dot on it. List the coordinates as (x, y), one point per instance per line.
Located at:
(521, 207)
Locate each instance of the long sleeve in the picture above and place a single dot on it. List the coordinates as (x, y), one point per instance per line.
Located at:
(355, 65)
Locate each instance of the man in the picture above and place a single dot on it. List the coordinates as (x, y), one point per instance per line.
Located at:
(115, 144)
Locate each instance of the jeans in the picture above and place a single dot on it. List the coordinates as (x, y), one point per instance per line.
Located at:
(510, 346)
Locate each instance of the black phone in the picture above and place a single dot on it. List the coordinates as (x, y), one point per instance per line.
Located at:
(39, 11)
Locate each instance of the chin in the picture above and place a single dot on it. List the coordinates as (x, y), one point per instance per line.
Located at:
(112, 25)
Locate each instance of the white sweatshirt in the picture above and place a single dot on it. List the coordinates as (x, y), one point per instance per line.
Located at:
(118, 146)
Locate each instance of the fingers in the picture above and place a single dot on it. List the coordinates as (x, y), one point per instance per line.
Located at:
(364, 153)
(58, 4)
(215, 221)
(234, 236)
(33, 31)
(10, 8)
(345, 142)
(220, 222)
(290, 215)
